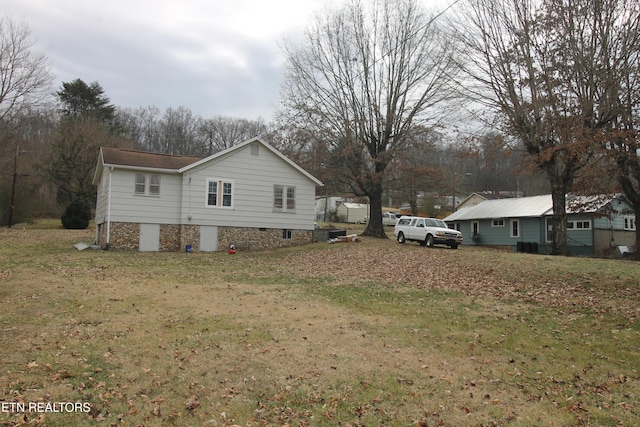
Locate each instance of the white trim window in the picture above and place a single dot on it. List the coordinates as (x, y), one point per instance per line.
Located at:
(141, 183)
(284, 198)
(147, 185)
(630, 223)
(515, 228)
(579, 225)
(498, 222)
(219, 193)
(154, 185)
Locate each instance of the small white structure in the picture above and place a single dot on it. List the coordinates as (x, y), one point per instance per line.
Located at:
(355, 213)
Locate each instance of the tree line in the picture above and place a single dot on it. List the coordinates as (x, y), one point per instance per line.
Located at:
(374, 100)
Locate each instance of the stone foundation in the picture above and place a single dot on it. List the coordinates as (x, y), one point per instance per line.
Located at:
(190, 235)
(173, 238)
(124, 236)
(252, 239)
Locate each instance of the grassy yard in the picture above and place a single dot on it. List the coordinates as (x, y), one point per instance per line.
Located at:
(371, 333)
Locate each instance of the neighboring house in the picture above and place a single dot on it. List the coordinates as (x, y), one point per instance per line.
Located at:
(355, 213)
(249, 195)
(594, 226)
(477, 198)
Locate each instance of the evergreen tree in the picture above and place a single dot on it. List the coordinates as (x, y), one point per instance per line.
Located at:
(80, 100)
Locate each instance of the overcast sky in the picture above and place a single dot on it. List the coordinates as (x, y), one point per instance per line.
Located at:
(215, 57)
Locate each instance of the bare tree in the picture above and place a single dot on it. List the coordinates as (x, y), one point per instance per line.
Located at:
(546, 67)
(417, 171)
(141, 127)
(24, 83)
(24, 73)
(364, 76)
(222, 132)
(179, 132)
(71, 159)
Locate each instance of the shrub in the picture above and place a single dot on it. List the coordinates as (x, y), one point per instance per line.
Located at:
(77, 215)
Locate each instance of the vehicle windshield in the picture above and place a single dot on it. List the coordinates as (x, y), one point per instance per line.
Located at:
(442, 224)
(437, 223)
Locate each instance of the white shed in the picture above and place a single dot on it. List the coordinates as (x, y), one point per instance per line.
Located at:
(355, 213)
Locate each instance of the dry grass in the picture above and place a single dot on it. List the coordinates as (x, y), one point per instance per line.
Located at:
(320, 335)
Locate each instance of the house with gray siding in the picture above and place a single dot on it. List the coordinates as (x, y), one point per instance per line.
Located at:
(250, 196)
(595, 225)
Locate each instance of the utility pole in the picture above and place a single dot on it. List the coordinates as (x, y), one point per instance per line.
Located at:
(13, 186)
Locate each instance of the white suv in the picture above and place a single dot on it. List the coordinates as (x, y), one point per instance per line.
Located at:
(426, 231)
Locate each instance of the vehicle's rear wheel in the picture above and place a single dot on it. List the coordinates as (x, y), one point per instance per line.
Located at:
(428, 241)
(401, 238)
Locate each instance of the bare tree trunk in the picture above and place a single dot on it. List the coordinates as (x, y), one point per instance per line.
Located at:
(375, 227)
(559, 245)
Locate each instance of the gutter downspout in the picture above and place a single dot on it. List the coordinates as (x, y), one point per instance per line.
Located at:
(108, 242)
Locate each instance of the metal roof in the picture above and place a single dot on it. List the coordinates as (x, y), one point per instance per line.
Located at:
(505, 208)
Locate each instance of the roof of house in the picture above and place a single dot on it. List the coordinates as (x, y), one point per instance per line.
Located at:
(534, 206)
(122, 157)
(501, 208)
(132, 159)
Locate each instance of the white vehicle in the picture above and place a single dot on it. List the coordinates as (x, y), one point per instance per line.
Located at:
(389, 218)
(426, 231)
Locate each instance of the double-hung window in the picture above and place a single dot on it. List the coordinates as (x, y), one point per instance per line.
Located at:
(147, 185)
(154, 185)
(284, 198)
(219, 193)
(629, 222)
(141, 183)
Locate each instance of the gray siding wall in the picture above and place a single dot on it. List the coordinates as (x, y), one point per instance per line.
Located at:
(529, 231)
(102, 198)
(253, 180)
(126, 206)
(580, 237)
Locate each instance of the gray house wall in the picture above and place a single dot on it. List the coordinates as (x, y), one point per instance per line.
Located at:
(179, 215)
